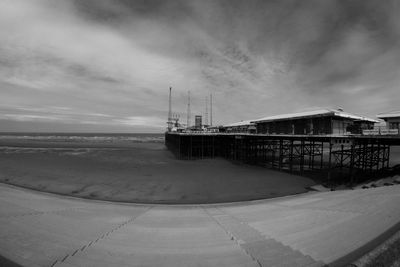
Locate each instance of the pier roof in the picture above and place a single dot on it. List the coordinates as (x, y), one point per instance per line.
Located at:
(390, 114)
(315, 113)
(240, 123)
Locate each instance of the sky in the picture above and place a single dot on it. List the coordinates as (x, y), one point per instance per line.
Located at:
(107, 65)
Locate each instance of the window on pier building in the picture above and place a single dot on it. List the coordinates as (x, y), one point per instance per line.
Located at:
(394, 125)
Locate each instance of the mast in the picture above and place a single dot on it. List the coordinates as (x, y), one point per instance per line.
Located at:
(188, 112)
(169, 123)
(211, 118)
(206, 113)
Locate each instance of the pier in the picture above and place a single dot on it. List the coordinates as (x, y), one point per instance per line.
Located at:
(330, 154)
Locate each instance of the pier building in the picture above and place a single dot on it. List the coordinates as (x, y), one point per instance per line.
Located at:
(240, 127)
(315, 122)
(392, 120)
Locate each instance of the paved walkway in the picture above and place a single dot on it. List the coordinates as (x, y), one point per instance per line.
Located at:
(38, 229)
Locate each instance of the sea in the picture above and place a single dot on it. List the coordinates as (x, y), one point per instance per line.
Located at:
(85, 137)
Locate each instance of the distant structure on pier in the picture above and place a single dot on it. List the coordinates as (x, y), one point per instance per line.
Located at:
(201, 122)
(198, 124)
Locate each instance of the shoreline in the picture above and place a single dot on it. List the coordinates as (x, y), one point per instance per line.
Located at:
(117, 202)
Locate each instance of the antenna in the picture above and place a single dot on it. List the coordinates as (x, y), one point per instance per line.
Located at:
(211, 110)
(188, 112)
(206, 114)
(169, 123)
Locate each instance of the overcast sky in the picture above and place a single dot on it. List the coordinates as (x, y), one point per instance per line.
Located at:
(106, 65)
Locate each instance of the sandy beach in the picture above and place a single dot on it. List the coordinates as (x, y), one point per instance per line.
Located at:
(144, 172)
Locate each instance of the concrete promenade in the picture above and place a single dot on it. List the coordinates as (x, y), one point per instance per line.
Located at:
(313, 229)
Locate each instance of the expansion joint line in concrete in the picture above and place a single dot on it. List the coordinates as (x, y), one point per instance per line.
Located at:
(265, 251)
(104, 235)
(230, 234)
(331, 210)
(36, 213)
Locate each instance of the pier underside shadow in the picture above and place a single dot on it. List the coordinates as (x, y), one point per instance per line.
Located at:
(331, 159)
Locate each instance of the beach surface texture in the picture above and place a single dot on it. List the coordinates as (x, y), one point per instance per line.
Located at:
(134, 169)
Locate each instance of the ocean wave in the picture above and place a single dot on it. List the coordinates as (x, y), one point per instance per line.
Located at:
(29, 150)
(84, 138)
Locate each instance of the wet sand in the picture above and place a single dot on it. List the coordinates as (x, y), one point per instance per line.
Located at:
(137, 172)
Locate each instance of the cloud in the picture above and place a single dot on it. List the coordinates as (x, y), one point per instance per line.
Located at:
(53, 114)
(148, 121)
(29, 117)
(110, 62)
